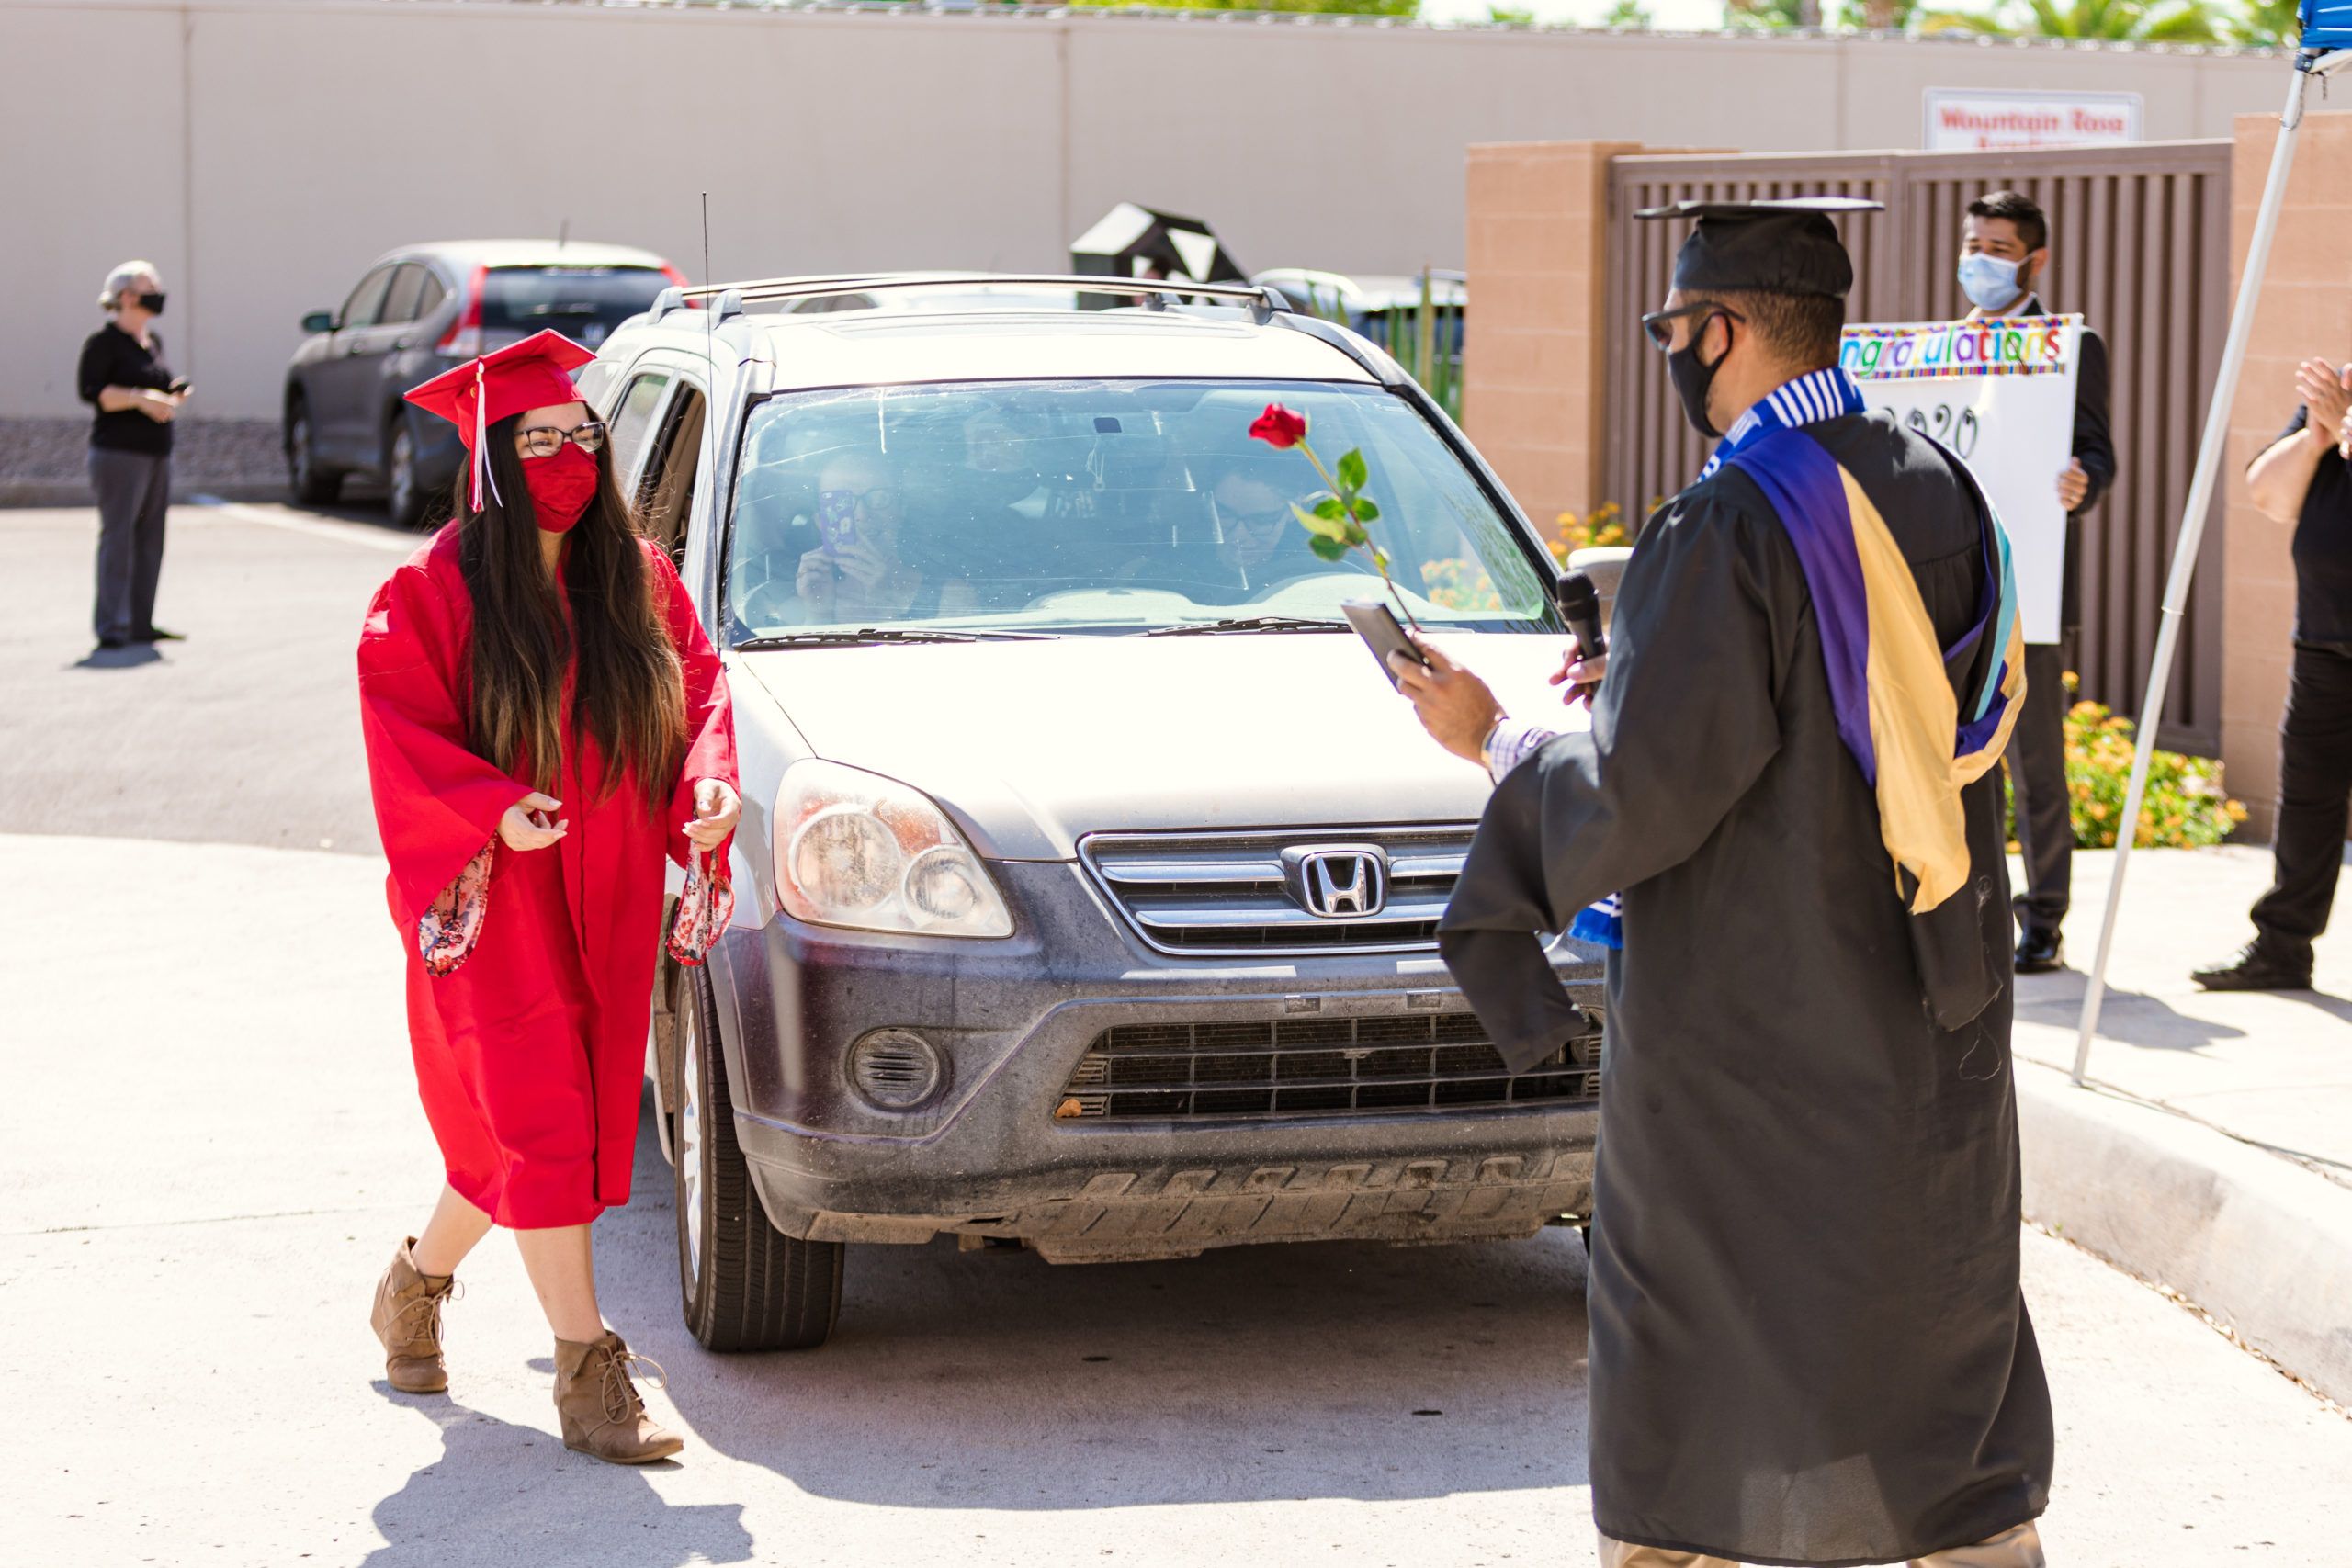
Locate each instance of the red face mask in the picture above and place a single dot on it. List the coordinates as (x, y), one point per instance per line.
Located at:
(561, 487)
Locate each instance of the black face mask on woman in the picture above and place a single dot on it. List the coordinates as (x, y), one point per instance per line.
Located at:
(151, 303)
(1691, 375)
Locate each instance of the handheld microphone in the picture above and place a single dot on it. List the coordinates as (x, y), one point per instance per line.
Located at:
(1579, 604)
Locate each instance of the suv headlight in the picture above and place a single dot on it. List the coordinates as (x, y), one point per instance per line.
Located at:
(855, 849)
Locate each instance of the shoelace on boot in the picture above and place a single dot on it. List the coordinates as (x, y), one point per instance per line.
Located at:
(616, 1384)
(455, 1291)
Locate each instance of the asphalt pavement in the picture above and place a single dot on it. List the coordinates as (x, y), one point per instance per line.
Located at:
(211, 1143)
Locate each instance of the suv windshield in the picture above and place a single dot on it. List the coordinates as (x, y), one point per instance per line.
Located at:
(582, 303)
(1102, 506)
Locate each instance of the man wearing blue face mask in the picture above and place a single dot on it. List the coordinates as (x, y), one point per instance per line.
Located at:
(2004, 255)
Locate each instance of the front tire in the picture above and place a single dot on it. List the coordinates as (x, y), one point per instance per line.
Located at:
(312, 485)
(744, 1284)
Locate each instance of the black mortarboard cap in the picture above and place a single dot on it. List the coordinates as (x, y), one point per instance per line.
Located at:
(1784, 246)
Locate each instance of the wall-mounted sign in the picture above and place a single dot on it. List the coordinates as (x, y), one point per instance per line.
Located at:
(1975, 119)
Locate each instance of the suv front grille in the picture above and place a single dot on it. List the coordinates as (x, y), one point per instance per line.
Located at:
(1205, 895)
(1320, 1067)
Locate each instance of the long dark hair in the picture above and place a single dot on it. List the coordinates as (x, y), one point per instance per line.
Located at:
(628, 694)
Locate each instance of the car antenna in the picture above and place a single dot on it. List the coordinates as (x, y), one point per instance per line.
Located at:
(562, 234)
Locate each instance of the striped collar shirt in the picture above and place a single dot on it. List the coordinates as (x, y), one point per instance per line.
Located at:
(1807, 400)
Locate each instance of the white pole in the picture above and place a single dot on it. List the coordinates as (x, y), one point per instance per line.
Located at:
(2192, 531)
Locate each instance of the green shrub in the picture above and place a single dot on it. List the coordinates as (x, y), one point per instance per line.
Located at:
(2186, 807)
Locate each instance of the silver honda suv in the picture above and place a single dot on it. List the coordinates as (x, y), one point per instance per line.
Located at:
(1091, 866)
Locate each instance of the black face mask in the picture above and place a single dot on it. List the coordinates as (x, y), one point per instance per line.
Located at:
(1691, 376)
(151, 303)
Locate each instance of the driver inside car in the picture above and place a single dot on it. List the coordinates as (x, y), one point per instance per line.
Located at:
(1259, 544)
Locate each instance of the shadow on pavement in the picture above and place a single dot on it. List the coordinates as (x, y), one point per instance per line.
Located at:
(2134, 1017)
(993, 1380)
(130, 657)
(504, 1494)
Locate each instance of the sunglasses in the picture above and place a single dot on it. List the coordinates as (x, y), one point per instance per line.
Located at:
(1659, 323)
(547, 442)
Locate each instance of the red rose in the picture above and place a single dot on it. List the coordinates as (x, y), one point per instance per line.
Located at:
(1279, 427)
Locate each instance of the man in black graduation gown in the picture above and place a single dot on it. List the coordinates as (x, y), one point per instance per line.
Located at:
(1808, 1343)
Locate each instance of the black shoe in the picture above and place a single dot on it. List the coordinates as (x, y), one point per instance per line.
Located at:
(2041, 952)
(157, 633)
(112, 643)
(2256, 968)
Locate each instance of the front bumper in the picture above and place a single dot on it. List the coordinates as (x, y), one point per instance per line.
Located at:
(1012, 1018)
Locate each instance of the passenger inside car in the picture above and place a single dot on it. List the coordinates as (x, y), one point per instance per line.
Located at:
(857, 574)
(1241, 539)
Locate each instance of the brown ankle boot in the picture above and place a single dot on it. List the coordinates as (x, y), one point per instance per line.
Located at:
(602, 1413)
(407, 1318)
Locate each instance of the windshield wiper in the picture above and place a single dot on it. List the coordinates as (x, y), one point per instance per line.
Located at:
(878, 634)
(1249, 623)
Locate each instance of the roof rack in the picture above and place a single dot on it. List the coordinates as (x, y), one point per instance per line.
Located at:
(1264, 302)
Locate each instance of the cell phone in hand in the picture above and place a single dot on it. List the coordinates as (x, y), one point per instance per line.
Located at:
(836, 522)
(180, 387)
(1377, 625)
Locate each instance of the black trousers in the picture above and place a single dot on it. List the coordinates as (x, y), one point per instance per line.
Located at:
(133, 489)
(2315, 787)
(2037, 762)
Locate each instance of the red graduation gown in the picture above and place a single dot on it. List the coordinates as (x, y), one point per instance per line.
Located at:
(530, 1053)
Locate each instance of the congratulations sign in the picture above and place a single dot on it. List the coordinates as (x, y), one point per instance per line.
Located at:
(2000, 394)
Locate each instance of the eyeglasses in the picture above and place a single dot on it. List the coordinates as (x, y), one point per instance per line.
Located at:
(546, 441)
(840, 505)
(1657, 322)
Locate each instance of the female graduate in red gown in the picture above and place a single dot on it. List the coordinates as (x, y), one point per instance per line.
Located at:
(545, 719)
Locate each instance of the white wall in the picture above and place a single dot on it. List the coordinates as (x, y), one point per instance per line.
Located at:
(270, 148)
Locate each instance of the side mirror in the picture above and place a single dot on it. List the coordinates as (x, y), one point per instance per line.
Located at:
(319, 321)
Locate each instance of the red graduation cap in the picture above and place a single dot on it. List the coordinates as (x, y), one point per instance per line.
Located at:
(532, 374)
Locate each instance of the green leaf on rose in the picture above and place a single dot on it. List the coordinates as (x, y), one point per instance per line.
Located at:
(1331, 507)
(1365, 510)
(1327, 547)
(1333, 529)
(1350, 470)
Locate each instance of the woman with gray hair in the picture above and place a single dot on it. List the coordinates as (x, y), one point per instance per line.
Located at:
(137, 397)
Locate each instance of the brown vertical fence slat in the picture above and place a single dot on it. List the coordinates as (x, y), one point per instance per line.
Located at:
(2138, 245)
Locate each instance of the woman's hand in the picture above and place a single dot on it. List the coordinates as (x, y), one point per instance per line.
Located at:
(815, 581)
(161, 407)
(525, 824)
(861, 565)
(716, 810)
(1581, 676)
(2323, 389)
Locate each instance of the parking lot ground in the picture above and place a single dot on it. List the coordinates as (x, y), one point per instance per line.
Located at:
(211, 1143)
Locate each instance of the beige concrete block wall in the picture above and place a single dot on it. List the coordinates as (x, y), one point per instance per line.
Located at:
(2305, 311)
(273, 147)
(1531, 392)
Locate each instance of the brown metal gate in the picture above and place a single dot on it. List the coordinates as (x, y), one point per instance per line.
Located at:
(2139, 244)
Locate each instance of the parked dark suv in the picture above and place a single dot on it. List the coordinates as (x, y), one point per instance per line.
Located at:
(418, 311)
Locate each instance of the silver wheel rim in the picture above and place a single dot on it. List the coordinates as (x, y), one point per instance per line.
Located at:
(688, 1135)
(404, 475)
